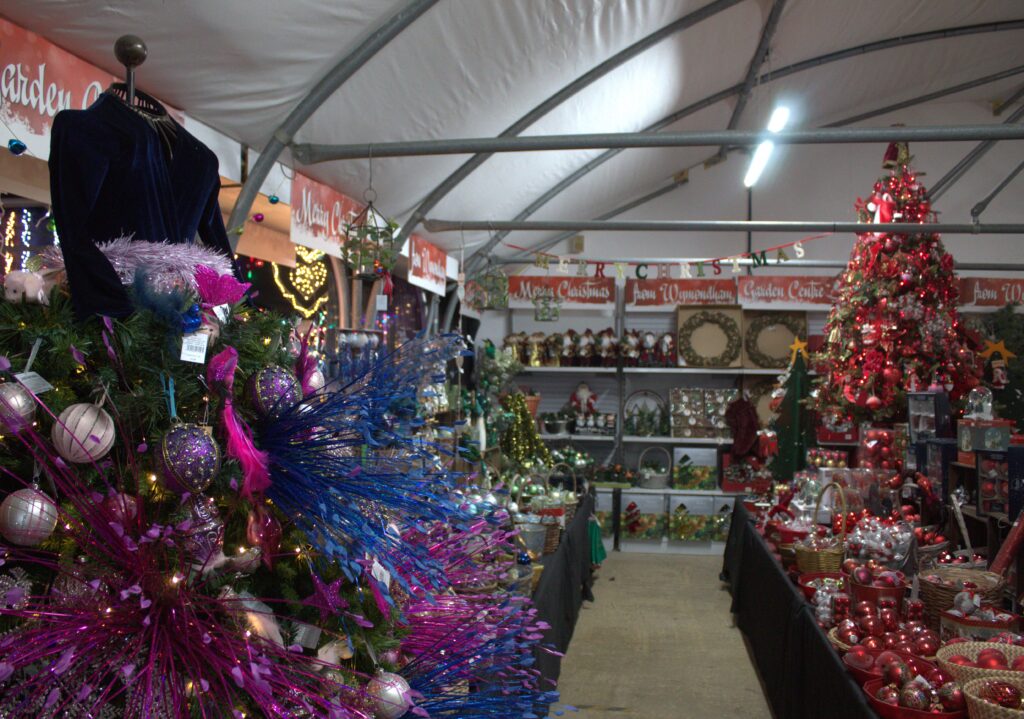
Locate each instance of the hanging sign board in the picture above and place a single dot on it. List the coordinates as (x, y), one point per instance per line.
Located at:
(992, 292)
(787, 292)
(319, 214)
(585, 292)
(666, 293)
(428, 266)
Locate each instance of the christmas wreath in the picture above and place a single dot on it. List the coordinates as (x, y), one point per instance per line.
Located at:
(796, 325)
(728, 327)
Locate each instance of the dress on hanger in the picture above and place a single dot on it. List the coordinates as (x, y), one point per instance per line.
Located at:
(113, 174)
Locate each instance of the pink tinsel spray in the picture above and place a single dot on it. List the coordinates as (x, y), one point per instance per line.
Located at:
(305, 365)
(216, 288)
(254, 463)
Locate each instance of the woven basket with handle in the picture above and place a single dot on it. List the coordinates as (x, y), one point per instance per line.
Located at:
(829, 559)
(978, 708)
(649, 479)
(971, 649)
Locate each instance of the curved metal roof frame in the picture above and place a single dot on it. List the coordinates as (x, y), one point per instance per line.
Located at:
(317, 95)
(480, 255)
(559, 97)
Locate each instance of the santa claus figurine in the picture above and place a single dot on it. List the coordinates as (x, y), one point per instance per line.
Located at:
(583, 399)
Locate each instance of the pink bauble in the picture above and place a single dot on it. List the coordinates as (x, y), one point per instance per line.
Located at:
(27, 517)
(124, 507)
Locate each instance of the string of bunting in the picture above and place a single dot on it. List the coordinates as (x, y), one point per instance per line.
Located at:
(687, 270)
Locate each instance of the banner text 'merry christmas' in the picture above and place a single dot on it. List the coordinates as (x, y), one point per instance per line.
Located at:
(566, 290)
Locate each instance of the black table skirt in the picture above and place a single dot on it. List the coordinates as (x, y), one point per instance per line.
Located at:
(802, 674)
(565, 583)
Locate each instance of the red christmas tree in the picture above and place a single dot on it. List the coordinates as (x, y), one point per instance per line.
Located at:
(895, 327)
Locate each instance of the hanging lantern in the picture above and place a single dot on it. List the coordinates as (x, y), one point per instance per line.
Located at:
(370, 241)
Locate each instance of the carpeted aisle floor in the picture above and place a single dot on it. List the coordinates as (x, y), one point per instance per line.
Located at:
(659, 644)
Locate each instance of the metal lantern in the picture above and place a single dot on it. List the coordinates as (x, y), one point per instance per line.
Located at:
(370, 241)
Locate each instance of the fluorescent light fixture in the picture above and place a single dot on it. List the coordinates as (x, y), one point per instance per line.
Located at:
(758, 162)
(778, 120)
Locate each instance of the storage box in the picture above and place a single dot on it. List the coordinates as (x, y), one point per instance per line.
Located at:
(710, 335)
(928, 415)
(768, 335)
(974, 434)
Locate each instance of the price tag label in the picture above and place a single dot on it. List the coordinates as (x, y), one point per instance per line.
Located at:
(382, 303)
(380, 574)
(222, 312)
(33, 382)
(193, 347)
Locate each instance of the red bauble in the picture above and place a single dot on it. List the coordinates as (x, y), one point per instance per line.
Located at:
(874, 403)
(913, 696)
(847, 625)
(884, 660)
(992, 653)
(915, 627)
(951, 695)
(991, 663)
(848, 637)
(890, 618)
(888, 694)
(891, 375)
(926, 647)
(938, 677)
(960, 659)
(905, 647)
(1018, 664)
(865, 609)
(849, 565)
(1002, 693)
(862, 575)
(873, 644)
(859, 660)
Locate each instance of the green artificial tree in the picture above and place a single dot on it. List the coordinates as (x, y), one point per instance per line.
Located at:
(520, 443)
(794, 424)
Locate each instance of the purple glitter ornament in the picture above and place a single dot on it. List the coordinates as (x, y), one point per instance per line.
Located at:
(205, 536)
(189, 458)
(273, 390)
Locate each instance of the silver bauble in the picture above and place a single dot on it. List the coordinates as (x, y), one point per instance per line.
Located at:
(390, 695)
(316, 381)
(17, 407)
(27, 517)
(83, 433)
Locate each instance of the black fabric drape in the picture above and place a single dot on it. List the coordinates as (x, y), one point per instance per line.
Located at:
(802, 675)
(563, 586)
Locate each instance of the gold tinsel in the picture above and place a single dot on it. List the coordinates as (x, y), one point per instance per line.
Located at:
(521, 443)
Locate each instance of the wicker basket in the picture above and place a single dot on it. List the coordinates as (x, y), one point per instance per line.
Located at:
(978, 708)
(829, 559)
(939, 597)
(651, 479)
(971, 649)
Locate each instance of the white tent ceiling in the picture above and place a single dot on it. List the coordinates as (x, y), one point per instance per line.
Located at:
(470, 68)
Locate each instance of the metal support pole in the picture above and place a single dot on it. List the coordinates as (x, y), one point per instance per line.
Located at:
(319, 93)
(311, 154)
(960, 169)
(981, 206)
(754, 69)
(555, 100)
(789, 264)
(750, 218)
(616, 519)
(903, 228)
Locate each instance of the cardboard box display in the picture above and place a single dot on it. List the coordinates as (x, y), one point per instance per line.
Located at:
(709, 340)
(774, 339)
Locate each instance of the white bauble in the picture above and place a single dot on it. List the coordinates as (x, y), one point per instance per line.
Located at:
(83, 433)
(27, 517)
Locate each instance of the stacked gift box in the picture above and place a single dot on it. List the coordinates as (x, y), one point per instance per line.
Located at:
(700, 412)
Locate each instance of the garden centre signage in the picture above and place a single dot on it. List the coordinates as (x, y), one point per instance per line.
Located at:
(319, 214)
(778, 290)
(593, 292)
(667, 293)
(427, 266)
(990, 292)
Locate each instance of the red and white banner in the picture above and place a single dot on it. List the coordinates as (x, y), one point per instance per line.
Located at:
(782, 292)
(38, 80)
(319, 214)
(590, 292)
(990, 292)
(427, 266)
(667, 293)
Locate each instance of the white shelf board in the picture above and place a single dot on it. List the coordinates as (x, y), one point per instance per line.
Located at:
(579, 437)
(683, 370)
(673, 492)
(692, 441)
(567, 370)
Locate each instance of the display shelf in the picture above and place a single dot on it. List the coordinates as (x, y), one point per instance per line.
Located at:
(579, 437)
(568, 370)
(683, 370)
(693, 441)
(672, 492)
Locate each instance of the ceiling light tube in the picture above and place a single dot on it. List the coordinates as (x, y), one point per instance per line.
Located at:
(779, 118)
(758, 162)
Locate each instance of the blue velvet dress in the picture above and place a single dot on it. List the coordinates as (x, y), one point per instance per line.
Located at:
(113, 175)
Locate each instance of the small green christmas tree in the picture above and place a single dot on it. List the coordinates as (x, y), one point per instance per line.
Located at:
(521, 443)
(794, 425)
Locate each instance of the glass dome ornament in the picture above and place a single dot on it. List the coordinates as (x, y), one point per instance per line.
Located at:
(979, 403)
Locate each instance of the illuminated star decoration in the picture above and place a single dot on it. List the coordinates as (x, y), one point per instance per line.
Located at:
(800, 346)
(327, 598)
(992, 348)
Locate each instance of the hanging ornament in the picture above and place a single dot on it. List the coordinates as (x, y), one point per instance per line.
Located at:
(258, 217)
(123, 506)
(874, 403)
(17, 407)
(205, 536)
(390, 695)
(316, 381)
(16, 146)
(27, 517)
(189, 458)
(273, 390)
(83, 433)
(273, 199)
(264, 531)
